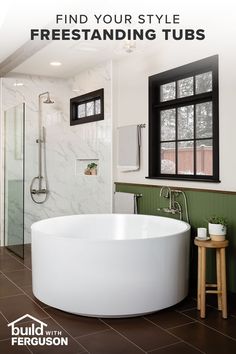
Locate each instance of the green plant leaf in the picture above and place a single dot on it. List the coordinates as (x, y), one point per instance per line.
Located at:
(217, 220)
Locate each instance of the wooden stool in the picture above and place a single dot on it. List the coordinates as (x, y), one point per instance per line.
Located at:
(221, 276)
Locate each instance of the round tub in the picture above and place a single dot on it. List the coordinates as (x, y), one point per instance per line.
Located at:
(110, 265)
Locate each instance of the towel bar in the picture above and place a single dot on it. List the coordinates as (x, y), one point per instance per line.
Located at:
(136, 195)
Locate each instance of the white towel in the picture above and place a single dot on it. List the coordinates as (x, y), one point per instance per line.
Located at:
(129, 148)
(125, 203)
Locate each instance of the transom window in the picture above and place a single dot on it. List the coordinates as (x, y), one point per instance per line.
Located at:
(87, 108)
(183, 122)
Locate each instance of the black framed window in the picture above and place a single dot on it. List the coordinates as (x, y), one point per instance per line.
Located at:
(87, 108)
(183, 122)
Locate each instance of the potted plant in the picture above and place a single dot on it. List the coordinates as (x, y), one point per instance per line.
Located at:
(93, 168)
(217, 226)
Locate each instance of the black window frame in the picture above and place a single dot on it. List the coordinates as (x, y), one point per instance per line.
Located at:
(155, 107)
(82, 99)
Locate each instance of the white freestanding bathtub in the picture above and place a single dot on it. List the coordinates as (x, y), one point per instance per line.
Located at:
(110, 265)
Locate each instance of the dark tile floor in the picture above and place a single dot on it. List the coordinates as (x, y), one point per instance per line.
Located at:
(178, 330)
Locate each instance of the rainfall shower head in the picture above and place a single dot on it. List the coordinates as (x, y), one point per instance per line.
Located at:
(48, 99)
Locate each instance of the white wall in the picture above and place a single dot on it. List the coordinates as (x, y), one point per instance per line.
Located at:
(70, 193)
(130, 100)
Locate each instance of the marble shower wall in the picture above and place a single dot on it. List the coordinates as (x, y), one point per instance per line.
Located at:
(71, 192)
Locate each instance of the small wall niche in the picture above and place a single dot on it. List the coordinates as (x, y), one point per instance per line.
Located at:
(87, 167)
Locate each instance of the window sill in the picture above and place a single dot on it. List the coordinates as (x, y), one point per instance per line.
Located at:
(87, 119)
(188, 179)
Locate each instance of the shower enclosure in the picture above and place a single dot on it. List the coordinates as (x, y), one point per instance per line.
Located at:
(17, 185)
(14, 178)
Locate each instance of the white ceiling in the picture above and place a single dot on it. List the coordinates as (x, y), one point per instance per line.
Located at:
(17, 17)
(75, 57)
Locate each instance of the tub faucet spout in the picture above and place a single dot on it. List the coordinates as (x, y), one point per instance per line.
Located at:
(165, 192)
(174, 206)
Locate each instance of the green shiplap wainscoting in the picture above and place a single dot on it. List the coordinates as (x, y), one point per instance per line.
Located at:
(201, 204)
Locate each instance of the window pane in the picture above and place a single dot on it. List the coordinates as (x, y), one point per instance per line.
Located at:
(203, 82)
(204, 120)
(185, 158)
(90, 108)
(168, 124)
(168, 92)
(98, 107)
(185, 122)
(185, 87)
(204, 156)
(168, 158)
(81, 110)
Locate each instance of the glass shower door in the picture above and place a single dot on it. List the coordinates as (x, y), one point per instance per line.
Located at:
(14, 179)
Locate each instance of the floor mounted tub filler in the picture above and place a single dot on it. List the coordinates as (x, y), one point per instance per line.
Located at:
(110, 265)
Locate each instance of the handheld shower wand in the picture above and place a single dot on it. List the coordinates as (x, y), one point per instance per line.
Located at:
(40, 191)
